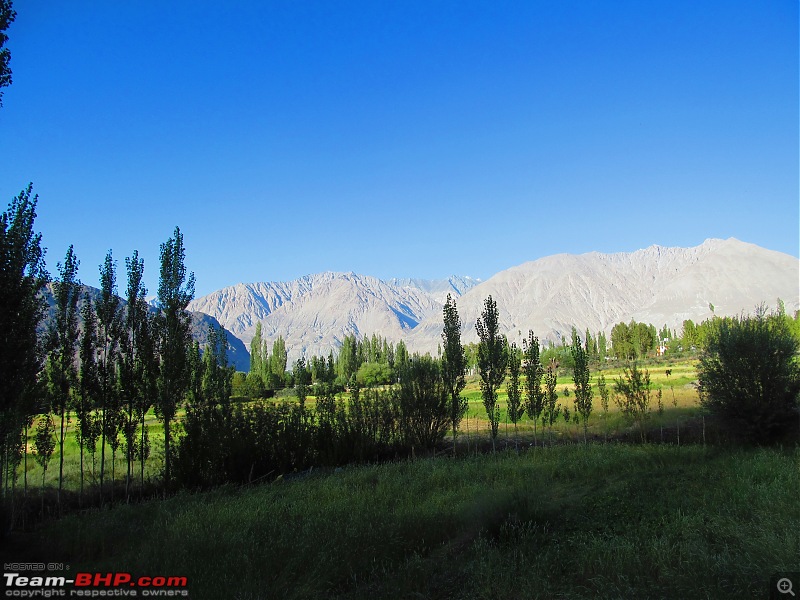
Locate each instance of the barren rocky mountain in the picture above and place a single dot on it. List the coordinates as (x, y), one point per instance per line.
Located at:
(314, 313)
(438, 288)
(656, 285)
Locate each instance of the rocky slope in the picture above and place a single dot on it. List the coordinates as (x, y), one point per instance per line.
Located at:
(656, 285)
(314, 313)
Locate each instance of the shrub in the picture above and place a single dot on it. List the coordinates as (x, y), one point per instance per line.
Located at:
(423, 402)
(749, 376)
(634, 395)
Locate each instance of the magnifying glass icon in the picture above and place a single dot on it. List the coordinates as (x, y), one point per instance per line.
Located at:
(785, 586)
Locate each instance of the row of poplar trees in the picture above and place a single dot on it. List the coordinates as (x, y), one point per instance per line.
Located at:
(497, 359)
(105, 360)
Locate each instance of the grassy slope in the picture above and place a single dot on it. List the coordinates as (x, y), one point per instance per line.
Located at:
(563, 522)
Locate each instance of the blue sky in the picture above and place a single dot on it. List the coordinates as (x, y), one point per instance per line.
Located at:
(400, 138)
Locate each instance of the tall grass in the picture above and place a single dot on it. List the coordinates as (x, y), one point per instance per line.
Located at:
(574, 521)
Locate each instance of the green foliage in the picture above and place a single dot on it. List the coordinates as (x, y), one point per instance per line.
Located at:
(277, 364)
(492, 361)
(88, 429)
(749, 376)
(602, 347)
(44, 443)
(254, 386)
(513, 386)
(203, 453)
(61, 372)
(423, 402)
(532, 367)
(7, 16)
(259, 356)
(217, 374)
(138, 369)
(372, 374)
(175, 291)
(634, 396)
(302, 379)
(454, 365)
(633, 340)
(110, 332)
(581, 376)
(550, 409)
(22, 276)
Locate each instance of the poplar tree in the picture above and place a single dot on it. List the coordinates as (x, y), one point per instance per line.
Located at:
(454, 366)
(258, 355)
(514, 389)
(175, 291)
(218, 375)
(109, 332)
(277, 362)
(22, 308)
(63, 339)
(301, 380)
(581, 376)
(550, 412)
(87, 429)
(44, 445)
(605, 394)
(147, 377)
(532, 367)
(132, 366)
(492, 361)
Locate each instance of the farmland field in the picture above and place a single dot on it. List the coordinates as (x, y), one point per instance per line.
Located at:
(679, 398)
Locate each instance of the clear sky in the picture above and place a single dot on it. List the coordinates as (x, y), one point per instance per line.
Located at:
(400, 138)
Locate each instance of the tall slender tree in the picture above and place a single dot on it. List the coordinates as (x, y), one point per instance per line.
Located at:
(514, 389)
(302, 377)
(277, 363)
(581, 377)
(87, 429)
(258, 355)
(147, 377)
(454, 366)
(492, 361)
(532, 367)
(132, 360)
(175, 291)
(44, 445)
(551, 410)
(62, 376)
(109, 333)
(605, 394)
(22, 308)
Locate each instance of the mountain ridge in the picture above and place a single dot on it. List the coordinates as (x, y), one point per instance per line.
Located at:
(658, 284)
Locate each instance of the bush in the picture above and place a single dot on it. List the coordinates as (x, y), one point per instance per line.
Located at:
(750, 378)
(423, 402)
(634, 396)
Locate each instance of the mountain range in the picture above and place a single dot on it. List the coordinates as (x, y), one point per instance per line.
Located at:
(238, 356)
(658, 285)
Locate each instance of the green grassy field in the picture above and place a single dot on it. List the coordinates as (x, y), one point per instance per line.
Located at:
(571, 521)
(679, 397)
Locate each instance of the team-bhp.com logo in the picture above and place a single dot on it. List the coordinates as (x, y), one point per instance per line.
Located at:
(94, 585)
